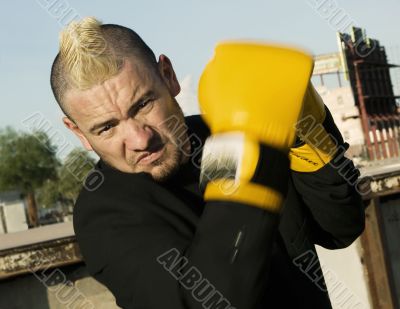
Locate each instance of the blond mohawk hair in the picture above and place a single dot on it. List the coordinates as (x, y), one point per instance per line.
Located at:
(85, 54)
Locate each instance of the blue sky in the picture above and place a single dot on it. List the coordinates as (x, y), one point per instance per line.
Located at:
(184, 30)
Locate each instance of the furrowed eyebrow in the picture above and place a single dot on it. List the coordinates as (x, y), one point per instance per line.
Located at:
(147, 95)
(94, 128)
(131, 111)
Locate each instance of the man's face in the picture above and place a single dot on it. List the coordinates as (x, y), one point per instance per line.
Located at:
(132, 121)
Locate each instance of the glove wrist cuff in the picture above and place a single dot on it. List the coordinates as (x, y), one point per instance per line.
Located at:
(248, 193)
(237, 158)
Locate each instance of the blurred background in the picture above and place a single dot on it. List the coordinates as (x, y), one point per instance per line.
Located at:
(356, 45)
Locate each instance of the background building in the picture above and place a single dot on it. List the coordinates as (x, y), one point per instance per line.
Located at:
(356, 84)
(12, 212)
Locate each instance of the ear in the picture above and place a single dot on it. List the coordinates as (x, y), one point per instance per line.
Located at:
(168, 75)
(75, 129)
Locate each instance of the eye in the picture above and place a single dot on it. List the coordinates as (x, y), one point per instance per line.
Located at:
(142, 107)
(145, 104)
(106, 128)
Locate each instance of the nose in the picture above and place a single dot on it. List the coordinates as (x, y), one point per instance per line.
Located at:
(137, 136)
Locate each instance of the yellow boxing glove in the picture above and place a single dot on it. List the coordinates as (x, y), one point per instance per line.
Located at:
(246, 157)
(318, 136)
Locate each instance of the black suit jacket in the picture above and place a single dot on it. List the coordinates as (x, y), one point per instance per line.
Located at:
(159, 245)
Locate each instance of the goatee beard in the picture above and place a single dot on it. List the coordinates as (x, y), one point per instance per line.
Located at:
(168, 168)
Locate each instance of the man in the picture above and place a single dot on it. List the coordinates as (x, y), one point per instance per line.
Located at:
(147, 233)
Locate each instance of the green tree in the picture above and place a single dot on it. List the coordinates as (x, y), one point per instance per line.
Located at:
(49, 194)
(71, 176)
(77, 165)
(27, 161)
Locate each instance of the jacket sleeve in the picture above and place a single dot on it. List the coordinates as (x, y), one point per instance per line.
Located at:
(335, 206)
(147, 262)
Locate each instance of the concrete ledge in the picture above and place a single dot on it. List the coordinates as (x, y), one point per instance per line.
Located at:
(36, 235)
